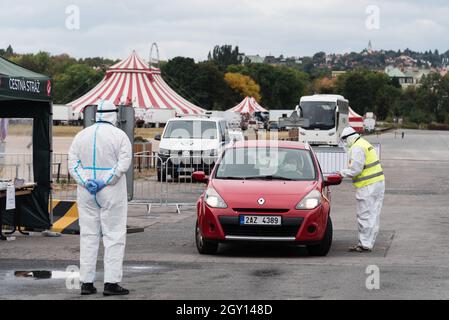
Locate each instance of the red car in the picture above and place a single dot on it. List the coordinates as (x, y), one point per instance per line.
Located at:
(266, 191)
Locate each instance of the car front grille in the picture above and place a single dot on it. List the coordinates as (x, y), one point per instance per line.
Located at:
(260, 210)
(232, 227)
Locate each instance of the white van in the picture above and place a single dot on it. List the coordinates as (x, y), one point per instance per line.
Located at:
(190, 144)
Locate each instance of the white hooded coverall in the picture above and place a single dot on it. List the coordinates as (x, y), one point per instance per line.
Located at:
(104, 152)
(369, 200)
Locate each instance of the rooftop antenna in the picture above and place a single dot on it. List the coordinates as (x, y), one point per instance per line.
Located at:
(154, 49)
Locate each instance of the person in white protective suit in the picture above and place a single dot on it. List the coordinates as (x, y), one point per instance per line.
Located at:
(367, 176)
(98, 158)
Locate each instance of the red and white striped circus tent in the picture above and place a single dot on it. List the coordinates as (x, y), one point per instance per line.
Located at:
(355, 120)
(248, 105)
(131, 81)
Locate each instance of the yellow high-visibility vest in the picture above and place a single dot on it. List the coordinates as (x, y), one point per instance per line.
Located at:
(372, 171)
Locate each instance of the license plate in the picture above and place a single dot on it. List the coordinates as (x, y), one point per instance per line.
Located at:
(260, 220)
(185, 170)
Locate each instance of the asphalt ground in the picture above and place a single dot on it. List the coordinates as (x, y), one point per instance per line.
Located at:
(411, 253)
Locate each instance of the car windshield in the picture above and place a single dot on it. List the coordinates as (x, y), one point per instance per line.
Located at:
(191, 129)
(266, 164)
(321, 115)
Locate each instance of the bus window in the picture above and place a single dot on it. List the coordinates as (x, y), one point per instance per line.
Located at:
(321, 115)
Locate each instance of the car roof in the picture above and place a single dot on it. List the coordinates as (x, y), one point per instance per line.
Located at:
(214, 119)
(272, 143)
(322, 98)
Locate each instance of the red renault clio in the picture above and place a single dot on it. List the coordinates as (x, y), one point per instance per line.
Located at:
(266, 191)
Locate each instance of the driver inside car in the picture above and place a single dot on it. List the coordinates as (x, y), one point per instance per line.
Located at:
(291, 167)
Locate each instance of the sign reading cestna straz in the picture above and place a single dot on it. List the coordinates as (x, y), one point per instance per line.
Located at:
(30, 86)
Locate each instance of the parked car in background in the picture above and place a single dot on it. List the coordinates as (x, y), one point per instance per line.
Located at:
(263, 193)
(236, 135)
(190, 143)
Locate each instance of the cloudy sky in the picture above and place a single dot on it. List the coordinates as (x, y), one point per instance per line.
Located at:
(192, 27)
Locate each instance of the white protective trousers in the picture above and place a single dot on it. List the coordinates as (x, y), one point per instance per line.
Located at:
(369, 200)
(104, 152)
(369, 205)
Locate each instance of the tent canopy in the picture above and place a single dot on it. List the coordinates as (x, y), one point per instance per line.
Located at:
(248, 105)
(354, 116)
(355, 120)
(19, 83)
(26, 94)
(131, 81)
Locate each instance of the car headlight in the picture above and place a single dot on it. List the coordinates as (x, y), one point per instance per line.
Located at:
(310, 201)
(214, 200)
(164, 151)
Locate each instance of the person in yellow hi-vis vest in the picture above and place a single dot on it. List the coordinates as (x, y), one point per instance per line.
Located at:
(368, 178)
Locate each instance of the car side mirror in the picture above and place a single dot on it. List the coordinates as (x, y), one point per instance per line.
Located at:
(332, 180)
(200, 176)
(157, 137)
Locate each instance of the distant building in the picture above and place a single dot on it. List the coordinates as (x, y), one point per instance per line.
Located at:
(369, 50)
(417, 74)
(270, 60)
(336, 74)
(407, 76)
(399, 76)
(255, 59)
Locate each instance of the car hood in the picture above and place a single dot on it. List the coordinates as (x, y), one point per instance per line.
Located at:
(277, 194)
(189, 144)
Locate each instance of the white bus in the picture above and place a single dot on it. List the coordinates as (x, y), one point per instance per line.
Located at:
(325, 116)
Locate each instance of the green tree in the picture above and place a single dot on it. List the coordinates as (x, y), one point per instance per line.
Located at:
(354, 87)
(280, 87)
(243, 85)
(202, 84)
(385, 99)
(212, 91)
(76, 80)
(225, 55)
(443, 99)
(427, 98)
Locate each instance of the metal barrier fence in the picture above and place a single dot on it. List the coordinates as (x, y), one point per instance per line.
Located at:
(335, 159)
(157, 181)
(16, 166)
(147, 188)
(64, 186)
(180, 188)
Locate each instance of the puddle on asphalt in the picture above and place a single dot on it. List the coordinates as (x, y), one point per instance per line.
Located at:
(144, 268)
(45, 274)
(62, 275)
(267, 273)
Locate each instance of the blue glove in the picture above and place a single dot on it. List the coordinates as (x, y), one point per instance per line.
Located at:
(92, 187)
(100, 184)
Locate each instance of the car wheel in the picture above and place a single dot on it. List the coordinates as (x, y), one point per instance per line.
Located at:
(204, 246)
(323, 248)
(161, 176)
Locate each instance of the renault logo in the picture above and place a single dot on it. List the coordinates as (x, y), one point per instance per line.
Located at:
(261, 201)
